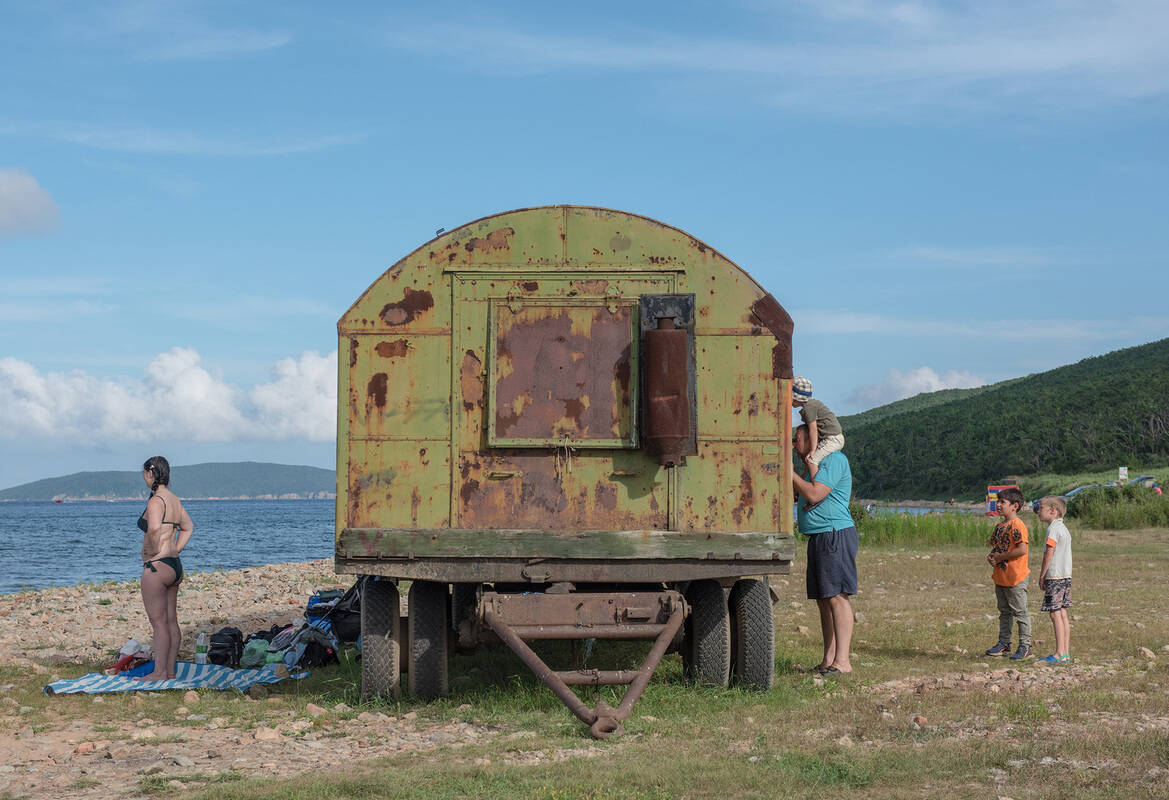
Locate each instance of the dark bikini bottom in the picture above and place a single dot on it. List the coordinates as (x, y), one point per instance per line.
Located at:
(172, 562)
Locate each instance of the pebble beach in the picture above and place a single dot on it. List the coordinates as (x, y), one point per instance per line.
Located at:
(106, 746)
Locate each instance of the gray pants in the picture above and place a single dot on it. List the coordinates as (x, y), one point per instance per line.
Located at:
(1012, 601)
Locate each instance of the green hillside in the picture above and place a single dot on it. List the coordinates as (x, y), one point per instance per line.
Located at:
(918, 402)
(247, 479)
(1093, 415)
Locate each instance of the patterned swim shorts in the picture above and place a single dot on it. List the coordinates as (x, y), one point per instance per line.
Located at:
(1057, 594)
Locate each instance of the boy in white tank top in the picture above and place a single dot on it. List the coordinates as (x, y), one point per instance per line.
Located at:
(1055, 576)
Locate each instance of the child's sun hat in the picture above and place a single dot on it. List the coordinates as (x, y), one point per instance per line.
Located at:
(802, 389)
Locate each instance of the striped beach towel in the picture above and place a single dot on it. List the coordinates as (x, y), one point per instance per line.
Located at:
(187, 676)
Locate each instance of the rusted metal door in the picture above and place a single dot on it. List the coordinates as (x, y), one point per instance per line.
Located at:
(549, 380)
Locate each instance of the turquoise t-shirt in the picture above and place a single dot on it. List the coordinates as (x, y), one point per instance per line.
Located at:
(831, 513)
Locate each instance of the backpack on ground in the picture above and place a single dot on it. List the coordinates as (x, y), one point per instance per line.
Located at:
(227, 645)
(341, 609)
(255, 653)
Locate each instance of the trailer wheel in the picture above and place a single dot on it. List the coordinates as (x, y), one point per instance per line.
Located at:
(752, 635)
(429, 634)
(706, 652)
(381, 636)
(462, 604)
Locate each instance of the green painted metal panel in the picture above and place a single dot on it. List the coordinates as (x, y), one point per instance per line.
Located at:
(429, 386)
(738, 400)
(608, 544)
(731, 486)
(399, 386)
(398, 483)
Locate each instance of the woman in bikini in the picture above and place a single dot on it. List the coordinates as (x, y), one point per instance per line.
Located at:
(168, 528)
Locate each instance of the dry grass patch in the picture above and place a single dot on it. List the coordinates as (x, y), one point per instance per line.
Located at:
(924, 715)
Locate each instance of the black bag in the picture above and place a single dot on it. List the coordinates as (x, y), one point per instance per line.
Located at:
(347, 624)
(319, 648)
(227, 645)
(344, 615)
(267, 635)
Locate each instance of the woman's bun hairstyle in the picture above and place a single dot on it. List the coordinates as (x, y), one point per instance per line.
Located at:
(161, 469)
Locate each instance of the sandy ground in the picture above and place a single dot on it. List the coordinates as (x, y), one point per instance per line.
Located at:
(63, 748)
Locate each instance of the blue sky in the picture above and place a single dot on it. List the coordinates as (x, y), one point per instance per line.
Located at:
(191, 193)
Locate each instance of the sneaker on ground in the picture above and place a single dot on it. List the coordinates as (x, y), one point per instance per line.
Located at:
(1000, 649)
(1051, 659)
(1023, 652)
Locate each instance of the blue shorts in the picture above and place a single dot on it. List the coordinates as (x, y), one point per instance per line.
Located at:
(832, 563)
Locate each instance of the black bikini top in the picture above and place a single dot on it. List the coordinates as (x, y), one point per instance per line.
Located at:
(142, 519)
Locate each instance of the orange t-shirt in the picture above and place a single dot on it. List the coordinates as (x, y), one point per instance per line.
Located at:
(1007, 536)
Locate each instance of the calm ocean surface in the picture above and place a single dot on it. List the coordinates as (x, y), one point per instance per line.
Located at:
(61, 544)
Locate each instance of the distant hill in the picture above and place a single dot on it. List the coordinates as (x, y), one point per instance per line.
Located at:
(1095, 414)
(918, 402)
(241, 480)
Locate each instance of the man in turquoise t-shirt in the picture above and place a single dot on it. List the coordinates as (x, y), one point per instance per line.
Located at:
(832, 544)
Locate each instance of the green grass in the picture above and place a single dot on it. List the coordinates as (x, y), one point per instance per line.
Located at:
(1036, 486)
(924, 529)
(934, 529)
(922, 615)
(1120, 508)
(829, 770)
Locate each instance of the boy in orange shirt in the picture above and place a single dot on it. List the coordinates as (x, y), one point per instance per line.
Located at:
(1008, 557)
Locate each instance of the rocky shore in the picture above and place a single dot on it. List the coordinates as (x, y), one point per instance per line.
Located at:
(112, 746)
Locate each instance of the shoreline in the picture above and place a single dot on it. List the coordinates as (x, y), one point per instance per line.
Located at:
(939, 504)
(112, 746)
(141, 497)
(86, 622)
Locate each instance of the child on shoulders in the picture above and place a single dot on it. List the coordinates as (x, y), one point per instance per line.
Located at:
(1055, 576)
(823, 428)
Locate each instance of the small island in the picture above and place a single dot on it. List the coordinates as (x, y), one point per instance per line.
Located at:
(247, 480)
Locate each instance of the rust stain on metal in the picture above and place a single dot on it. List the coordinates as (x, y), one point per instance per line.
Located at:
(496, 240)
(519, 489)
(471, 381)
(753, 405)
(422, 459)
(711, 512)
(530, 286)
(746, 506)
(564, 364)
(352, 353)
(415, 502)
(376, 390)
(395, 349)
(574, 408)
(412, 305)
(605, 496)
(667, 401)
(591, 287)
(772, 316)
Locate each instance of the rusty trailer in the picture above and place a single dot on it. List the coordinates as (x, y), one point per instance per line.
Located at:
(565, 423)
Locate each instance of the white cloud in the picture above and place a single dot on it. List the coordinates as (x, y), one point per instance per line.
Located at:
(820, 322)
(54, 311)
(203, 45)
(898, 385)
(977, 256)
(176, 399)
(862, 56)
(302, 400)
(136, 139)
(158, 30)
(25, 206)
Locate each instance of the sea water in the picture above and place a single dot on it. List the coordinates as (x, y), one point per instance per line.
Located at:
(61, 544)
